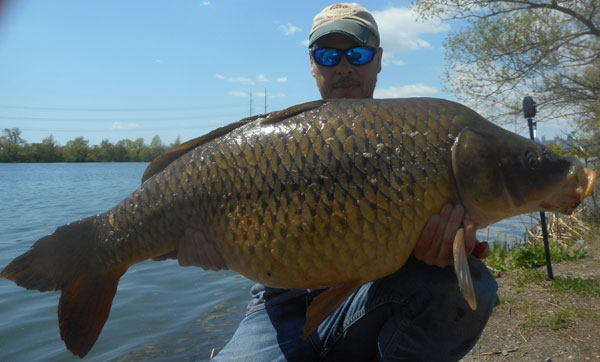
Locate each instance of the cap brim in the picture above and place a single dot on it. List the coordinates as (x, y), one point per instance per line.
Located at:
(352, 29)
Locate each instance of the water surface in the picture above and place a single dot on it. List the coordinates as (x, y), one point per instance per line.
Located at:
(161, 311)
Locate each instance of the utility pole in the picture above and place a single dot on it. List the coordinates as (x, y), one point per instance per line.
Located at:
(529, 110)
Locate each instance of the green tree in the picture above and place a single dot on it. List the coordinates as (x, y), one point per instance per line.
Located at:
(120, 153)
(104, 152)
(13, 136)
(76, 150)
(176, 143)
(48, 150)
(11, 145)
(155, 149)
(505, 49)
(134, 149)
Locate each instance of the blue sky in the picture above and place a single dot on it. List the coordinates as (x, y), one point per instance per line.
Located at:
(117, 69)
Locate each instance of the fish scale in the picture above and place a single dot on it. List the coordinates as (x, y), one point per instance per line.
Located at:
(325, 194)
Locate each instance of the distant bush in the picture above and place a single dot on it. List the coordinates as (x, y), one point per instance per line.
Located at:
(15, 149)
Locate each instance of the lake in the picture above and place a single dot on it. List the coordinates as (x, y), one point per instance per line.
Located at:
(161, 311)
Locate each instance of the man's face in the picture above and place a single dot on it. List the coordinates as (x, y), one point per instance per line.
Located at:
(345, 80)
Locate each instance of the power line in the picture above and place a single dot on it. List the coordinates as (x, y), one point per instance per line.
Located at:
(74, 109)
(119, 119)
(141, 129)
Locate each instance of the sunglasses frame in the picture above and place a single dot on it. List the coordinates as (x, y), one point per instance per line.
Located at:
(344, 52)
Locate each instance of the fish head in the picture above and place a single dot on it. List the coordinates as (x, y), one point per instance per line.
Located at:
(500, 174)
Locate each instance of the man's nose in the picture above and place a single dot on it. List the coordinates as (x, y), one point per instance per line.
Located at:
(344, 67)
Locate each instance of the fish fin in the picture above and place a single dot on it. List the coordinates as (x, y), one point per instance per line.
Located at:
(461, 266)
(162, 161)
(324, 304)
(62, 261)
(84, 307)
(169, 255)
(54, 259)
(291, 111)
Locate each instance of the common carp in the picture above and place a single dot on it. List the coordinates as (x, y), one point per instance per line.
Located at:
(328, 194)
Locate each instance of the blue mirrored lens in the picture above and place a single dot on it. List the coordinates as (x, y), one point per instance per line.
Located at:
(360, 55)
(330, 57)
(327, 56)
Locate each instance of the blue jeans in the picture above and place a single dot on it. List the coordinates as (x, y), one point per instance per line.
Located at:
(415, 314)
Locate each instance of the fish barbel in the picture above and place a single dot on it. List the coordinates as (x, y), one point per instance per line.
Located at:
(327, 194)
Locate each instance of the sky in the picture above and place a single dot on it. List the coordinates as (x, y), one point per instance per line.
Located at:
(125, 69)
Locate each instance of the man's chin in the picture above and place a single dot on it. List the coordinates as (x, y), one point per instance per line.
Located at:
(346, 92)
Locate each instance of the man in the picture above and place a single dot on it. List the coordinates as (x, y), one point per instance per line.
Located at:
(417, 313)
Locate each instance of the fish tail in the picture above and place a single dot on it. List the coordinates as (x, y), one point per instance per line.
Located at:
(60, 262)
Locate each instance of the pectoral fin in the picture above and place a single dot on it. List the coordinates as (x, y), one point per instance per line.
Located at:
(325, 303)
(461, 266)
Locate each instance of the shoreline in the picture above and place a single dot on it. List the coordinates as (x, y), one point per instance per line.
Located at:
(543, 320)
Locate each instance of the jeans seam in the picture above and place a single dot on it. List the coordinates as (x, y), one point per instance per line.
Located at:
(381, 302)
(313, 338)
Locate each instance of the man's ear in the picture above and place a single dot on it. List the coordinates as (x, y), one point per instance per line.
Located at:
(312, 66)
(379, 57)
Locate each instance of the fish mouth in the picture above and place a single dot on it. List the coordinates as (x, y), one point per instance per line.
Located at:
(581, 182)
(591, 178)
(565, 205)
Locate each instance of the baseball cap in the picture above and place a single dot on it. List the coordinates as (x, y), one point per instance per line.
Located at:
(351, 19)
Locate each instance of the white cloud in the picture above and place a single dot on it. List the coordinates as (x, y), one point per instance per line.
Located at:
(261, 78)
(304, 43)
(122, 126)
(238, 94)
(281, 80)
(401, 31)
(289, 29)
(413, 90)
(389, 59)
(206, 3)
(270, 95)
(241, 80)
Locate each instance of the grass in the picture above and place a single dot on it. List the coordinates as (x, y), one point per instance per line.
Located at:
(529, 255)
(584, 287)
(561, 312)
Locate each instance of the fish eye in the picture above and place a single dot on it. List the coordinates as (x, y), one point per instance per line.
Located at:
(549, 154)
(532, 159)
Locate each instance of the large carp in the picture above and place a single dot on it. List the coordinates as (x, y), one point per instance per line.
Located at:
(325, 194)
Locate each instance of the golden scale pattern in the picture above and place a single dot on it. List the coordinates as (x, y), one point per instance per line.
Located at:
(333, 194)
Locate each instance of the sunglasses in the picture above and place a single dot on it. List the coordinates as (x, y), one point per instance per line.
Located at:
(330, 57)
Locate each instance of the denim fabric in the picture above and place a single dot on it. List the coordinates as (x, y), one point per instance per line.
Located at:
(415, 314)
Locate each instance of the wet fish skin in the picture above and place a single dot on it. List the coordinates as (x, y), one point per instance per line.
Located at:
(333, 196)
(324, 198)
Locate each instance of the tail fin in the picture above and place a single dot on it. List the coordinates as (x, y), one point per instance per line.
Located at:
(67, 261)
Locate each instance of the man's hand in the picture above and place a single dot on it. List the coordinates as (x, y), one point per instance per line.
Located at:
(435, 244)
(195, 250)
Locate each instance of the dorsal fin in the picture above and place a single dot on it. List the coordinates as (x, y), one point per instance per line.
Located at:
(291, 111)
(162, 161)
